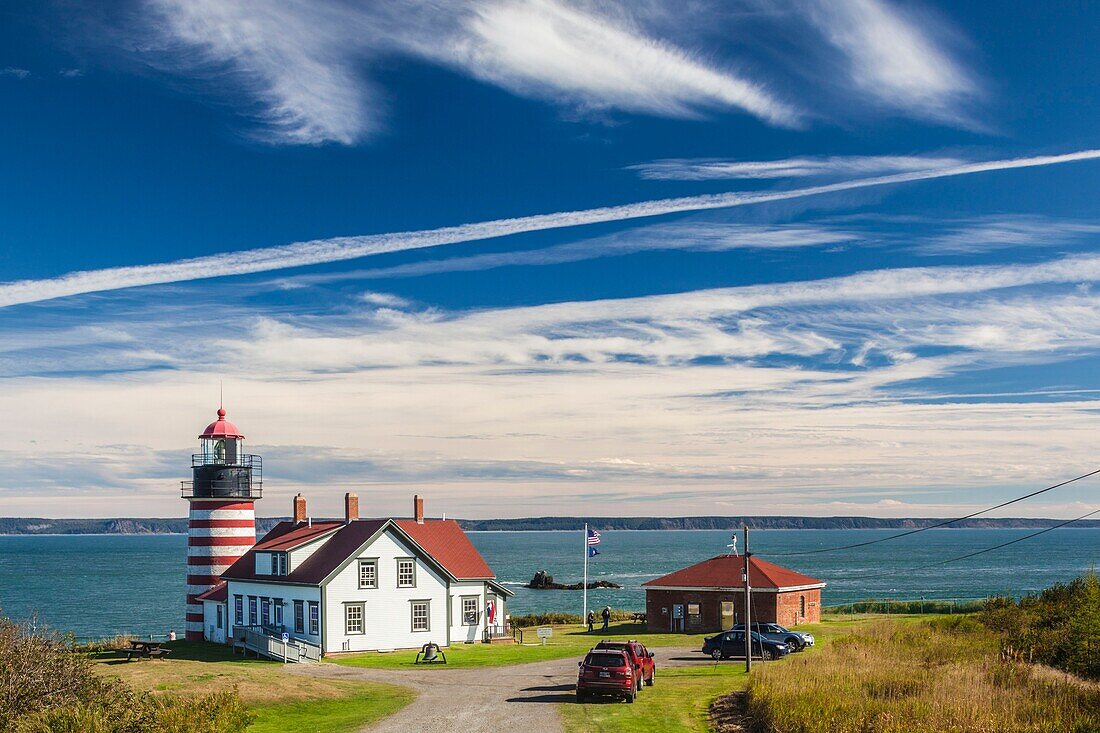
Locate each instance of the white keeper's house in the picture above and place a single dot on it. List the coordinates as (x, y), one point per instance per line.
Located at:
(354, 584)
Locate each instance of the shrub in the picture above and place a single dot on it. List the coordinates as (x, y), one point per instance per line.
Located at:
(1059, 627)
(48, 687)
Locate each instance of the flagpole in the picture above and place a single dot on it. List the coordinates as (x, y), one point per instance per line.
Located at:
(584, 614)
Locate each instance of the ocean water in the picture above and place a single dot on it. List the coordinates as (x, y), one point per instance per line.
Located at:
(98, 585)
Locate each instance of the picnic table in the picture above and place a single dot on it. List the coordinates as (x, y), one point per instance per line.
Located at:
(145, 650)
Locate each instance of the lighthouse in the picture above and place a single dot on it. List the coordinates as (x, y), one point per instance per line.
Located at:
(225, 483)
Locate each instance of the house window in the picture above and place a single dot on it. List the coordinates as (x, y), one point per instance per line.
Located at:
(314, 618)
(278, 563)
(469, 610)
(420, 616)
(238, 610)
(277, 607)
(368, 573)
(219, 607)
(802, 606)
(299, 617)
(353, 618)
(265, 611)
(252, 619)
(406, 573)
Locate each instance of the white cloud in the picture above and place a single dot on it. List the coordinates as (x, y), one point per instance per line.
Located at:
(710, 169)
(306, 63)
(14, 72)
(662, 404)
(896, 57)
(1001, 232)
(552, 49)
(346, 248)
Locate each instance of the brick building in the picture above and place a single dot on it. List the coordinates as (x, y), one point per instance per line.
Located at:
(710, 596)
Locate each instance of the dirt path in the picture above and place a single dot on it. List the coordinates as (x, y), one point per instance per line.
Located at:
(521, 697)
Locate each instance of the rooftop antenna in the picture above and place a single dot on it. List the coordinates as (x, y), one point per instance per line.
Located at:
(733, 545)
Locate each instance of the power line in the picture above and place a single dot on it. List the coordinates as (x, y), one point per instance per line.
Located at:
(978, 552)
(938, 524)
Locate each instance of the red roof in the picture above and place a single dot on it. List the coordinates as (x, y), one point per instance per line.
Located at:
(724, 571)
(219, 593)
(221, 428)
(295, 535)
(442, 539)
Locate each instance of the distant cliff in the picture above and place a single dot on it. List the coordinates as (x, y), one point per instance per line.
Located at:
(137, 525)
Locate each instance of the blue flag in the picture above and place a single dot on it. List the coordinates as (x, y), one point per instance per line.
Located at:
(592, 552)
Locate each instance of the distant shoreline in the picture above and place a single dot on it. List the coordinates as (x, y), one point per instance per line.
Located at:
(38, 526)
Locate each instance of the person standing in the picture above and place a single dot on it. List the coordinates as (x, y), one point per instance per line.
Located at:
(591, 620)
(606, 613)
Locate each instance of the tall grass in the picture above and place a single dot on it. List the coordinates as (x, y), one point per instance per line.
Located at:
(942, 676)
(557, 618)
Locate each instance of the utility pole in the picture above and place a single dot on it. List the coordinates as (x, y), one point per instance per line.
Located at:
(748, 605)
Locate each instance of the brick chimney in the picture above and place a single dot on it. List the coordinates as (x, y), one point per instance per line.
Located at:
(351, 507)
(418, 509)
(299, 508)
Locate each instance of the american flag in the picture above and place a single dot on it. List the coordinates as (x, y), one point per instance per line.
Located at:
(593, 537)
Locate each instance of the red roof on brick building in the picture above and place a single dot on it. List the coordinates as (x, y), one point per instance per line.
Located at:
(724, 571)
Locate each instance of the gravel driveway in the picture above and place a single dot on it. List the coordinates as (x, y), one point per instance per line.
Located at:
(520, 696)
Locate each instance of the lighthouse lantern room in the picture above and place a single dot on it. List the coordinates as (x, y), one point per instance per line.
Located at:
(225, 482)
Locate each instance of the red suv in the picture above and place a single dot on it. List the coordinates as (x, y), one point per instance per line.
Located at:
(606, 672)
(641, 659)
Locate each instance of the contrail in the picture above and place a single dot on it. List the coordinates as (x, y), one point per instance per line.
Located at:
(336, 249)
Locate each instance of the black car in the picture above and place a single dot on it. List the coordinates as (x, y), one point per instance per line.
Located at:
(796, 640)
(732, 644)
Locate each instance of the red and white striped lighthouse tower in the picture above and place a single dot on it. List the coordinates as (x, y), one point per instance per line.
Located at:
(222, 522)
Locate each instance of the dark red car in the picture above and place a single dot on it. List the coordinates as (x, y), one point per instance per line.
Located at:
(641, 659)
(606, 672)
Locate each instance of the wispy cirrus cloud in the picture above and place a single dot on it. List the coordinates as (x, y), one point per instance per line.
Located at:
(692, 236)
(15, 72)
(801, 393)
(306, 64)
(305, 69)
(712, 169)
(986, 234)
(899, 57)
(347, 248)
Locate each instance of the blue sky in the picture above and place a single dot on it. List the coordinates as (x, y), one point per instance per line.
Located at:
(549, 257)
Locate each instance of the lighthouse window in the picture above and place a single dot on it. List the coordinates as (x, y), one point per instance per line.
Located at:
(420, 616)
(406, 573)
(353, 618)
(368, 573)
(314, 618)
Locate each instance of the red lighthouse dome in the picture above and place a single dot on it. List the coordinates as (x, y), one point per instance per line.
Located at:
(221, 428)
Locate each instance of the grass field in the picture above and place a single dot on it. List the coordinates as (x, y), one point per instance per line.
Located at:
(918, 676)
(567, 641)
(280, 701)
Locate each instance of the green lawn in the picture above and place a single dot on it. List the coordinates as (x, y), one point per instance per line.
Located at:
(336, 715)
(280, 701)
(567, 641)
(678, 701)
